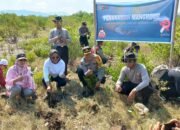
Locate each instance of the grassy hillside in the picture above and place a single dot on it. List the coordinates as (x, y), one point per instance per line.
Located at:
(106, 109)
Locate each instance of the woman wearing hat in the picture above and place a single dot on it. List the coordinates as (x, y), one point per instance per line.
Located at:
(3, 65)
(53, 70)
(19, 81)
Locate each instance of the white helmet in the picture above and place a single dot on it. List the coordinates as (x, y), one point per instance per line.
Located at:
(3, 62)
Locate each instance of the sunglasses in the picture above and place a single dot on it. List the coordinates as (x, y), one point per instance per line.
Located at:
(22, 60)
(55, 57)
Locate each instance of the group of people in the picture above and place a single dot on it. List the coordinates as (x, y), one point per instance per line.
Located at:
(133, 80)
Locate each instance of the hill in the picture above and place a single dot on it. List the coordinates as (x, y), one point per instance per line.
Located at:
(28, 12)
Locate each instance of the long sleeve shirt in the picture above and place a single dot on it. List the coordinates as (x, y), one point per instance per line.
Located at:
(137, 75)
(54, 70)
(2, 79)
(13, 73)
(175, 73)
(54, 33)
(83, 31)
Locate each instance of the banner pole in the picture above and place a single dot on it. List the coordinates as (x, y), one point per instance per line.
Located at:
(173, 33)
(95, 24)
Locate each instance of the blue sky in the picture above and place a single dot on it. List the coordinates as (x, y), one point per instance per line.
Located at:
(68, 6)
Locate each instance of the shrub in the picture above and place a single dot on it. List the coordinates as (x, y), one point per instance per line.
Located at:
(31, 56)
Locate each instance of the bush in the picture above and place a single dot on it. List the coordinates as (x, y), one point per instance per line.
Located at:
(31, 56)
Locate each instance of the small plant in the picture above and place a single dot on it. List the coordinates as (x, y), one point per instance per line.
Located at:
(31, 56)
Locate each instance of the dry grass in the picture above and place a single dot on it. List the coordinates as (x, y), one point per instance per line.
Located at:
(104, 111)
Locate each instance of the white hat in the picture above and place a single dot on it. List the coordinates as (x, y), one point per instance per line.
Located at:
(3, 62)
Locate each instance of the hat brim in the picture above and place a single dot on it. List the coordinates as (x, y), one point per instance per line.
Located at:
(22, 58)
(86, 53)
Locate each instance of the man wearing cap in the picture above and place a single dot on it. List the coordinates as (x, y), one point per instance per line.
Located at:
(59, 37)
(137, 83)
(19, 80)
(90, 68)
(3, 65)
(53, 70)
(133, 48)
(84, 34)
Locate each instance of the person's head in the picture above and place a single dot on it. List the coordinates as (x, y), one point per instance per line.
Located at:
(99, 43)
(135, 46)
(58, 21)
(86, 52)
(84, 23)
(54, 56)
(130, 59)
(4, 63)
(21, 59)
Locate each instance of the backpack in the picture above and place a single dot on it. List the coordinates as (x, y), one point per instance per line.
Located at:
(159, 77)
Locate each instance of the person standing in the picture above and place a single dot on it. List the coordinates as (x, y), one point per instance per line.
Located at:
(84, 34)
(59, 38)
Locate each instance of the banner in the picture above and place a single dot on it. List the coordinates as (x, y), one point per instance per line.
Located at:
(142, 22)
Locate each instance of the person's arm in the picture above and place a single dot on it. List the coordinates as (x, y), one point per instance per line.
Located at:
(84, 68)
(88, 32)
(101, 54)
(68, 38)
(145, 80)
(121, 76)
(80, 33)
(2, 80)
(52, 39)
(12, 77)
(46, 72)
(118, 87)
(61, 73)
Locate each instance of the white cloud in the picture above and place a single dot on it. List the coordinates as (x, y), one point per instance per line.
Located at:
(41, 5)
(24, 1)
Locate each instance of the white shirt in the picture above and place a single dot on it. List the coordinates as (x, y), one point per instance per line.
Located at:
(52, 69)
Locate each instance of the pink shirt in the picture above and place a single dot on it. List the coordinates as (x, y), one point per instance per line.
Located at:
(15, 71)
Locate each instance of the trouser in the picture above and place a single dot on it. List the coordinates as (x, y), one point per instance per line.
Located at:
(18, 90)
(104, 60)
(99, 75)
(83, 41)
(144, 94)
(63, 52)
(60, 81)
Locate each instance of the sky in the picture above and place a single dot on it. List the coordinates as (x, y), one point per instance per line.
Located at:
(67, 6)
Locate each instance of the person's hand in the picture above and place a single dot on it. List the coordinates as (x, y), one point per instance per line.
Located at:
(19, 78)
(176, 122)
(131, 95)
(97, 84)
(49, 88)
(157, 126)
(62, 40)
(118, 88)
(89, 72)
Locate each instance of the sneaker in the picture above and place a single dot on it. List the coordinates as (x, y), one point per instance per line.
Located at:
(34, 96)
